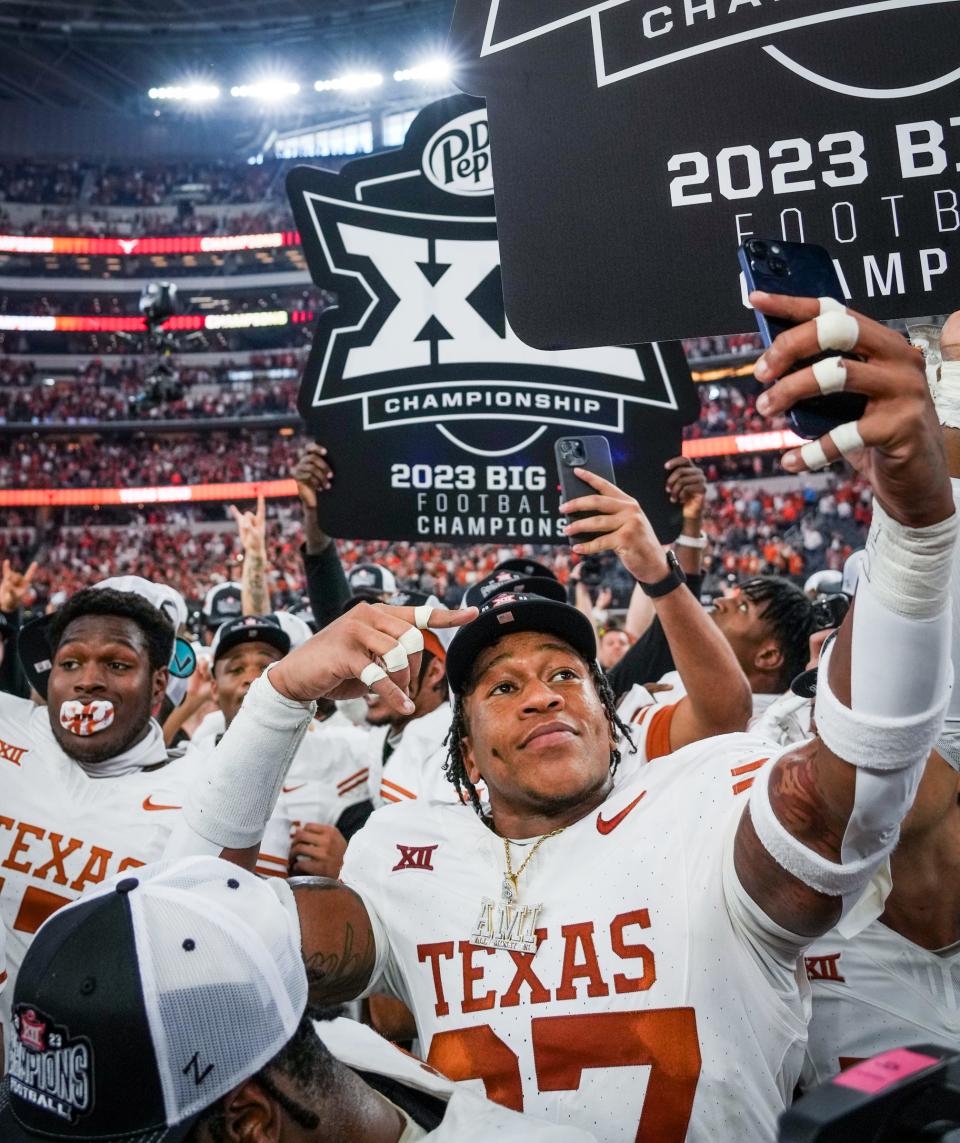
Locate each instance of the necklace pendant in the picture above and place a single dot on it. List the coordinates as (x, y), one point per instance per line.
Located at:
(507, 925)
(508, 889)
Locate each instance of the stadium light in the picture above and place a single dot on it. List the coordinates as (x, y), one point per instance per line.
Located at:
(268, 90)
(351, 81)
(187, 93)
(431, 71)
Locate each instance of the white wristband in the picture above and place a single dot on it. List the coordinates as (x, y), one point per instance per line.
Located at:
(699, 542)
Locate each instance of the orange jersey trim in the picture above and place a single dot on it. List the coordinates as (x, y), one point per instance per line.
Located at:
(351, 778)
(658, 731)
(394, 786)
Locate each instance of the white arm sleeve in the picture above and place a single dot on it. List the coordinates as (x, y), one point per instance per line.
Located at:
(232, 799)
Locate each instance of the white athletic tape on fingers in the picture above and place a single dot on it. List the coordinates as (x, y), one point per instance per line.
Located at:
(836, 330)
(830, 374)
(813, 456)
(411, 641)
(396, 659)
(372, 673)
(847, 438)
(945, 389)
(421, 616)
(831, 306)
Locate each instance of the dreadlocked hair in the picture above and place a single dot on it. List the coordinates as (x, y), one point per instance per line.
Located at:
(455, 767)
(789, 613)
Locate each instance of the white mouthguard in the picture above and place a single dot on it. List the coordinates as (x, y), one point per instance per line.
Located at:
(86, 718)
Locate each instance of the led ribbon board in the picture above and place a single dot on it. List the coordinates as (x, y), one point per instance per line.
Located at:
(439, 421)
(636, 142)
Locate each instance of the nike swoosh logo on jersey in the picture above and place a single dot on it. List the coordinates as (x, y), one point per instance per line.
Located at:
(290, 789)
(149, 804)
(606, 827)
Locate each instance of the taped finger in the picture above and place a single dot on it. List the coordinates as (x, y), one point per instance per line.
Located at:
(396, 659)
(372, 673)
(421, 616)
(412, 641)
(831, 306)
(836, 329)
(846, 439)
(830, 374)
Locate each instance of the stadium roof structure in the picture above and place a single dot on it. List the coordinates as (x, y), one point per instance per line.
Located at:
(105, 54)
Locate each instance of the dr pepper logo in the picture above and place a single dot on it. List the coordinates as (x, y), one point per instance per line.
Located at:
(457, 158)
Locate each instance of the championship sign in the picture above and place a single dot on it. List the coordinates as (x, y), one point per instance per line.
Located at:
(638, 142)
(439, 422)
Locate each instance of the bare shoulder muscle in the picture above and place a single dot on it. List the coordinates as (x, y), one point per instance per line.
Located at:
(811, 792)
(337, 939)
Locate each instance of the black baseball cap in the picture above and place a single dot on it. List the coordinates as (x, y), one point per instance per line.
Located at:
(249, 629)
(122, 1032)
(525, 567)
(506, 580)
(222, 602)
(509, 612)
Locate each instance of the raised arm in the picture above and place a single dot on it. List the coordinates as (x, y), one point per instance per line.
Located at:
(718, 695)
(254, 592)
(326, 584)
(373, 647)
(829, 812)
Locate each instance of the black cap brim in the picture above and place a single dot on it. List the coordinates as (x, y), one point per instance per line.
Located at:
(529, 613)
(528, 568)
(485, 589)
(13, 1131)
(274, 637)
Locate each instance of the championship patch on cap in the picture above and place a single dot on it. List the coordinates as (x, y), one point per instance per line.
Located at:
(371, 579)
(222, 602)
(498, 581)
(48, 1068)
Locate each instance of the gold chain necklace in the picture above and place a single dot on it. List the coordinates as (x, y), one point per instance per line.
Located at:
(510, 890)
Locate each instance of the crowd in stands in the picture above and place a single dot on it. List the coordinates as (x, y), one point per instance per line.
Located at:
(752, 531)
(91, 222)
(140, 184)
(33, 461)
(729, 409)
(126, 304)
(129, 398)
(723, 345)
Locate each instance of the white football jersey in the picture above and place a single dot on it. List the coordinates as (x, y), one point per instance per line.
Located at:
(327, 775)
(468, 1119)
(649, 717)
(635, 986)
(62, 831)
(415, 768)
(873, 992)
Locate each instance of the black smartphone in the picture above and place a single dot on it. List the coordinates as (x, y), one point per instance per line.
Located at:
(592, 453)
(800, 269)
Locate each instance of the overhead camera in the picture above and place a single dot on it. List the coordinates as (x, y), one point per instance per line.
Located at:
(158, 301)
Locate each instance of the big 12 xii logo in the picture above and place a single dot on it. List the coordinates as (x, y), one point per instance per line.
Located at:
(439, 422)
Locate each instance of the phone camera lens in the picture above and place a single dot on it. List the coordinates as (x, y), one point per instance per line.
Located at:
(757, 249)
(777, 266)
(572, 452)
